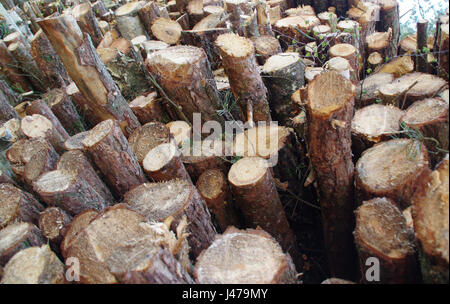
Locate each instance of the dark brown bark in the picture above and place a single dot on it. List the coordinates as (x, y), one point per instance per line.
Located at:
(389, 18)
(149, 108)
(10, 69)
(7, 111)
(422, 43)
(87, 21)
(53, 223)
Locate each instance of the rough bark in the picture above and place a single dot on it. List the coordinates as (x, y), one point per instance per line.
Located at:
(87, 21)
(90, 118)
(188, 82)
(329, 137)
(53, 223)
(381, 232)
(430, 214)
(283, 74)
(148, 14)
(264, 260)
(127, 20)
(295, 28)
(263, 18)
(422, 42)
(266, 46)
(12, 97)
(39, 157)
(109, 149)
(85, 68)
(443, 49)
(149, 108)
(389, 18)
(391, 169)
(10, 68)
(175, 198)
(7, 111)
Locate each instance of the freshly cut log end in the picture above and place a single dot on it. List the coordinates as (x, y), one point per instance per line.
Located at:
(181, 131)
(39, 157)
(17, 206)
(79, 222)
(287, 26)
(375, 60)
(214, 189)
(110, 151)
(350, 53)
(147, 137)
(167, 30)
(367, 91)
(373, 124)
(245, 257)
(391, 169)
(431, 221)
(163, 163)
(18, 236)
(381, 231)
(430, 118)
(53, 222)
(34, 265)
(255, 193)
(266, 46)
(38, 126)
(175, 198)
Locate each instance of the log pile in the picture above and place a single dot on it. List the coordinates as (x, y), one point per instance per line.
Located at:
(213, 141)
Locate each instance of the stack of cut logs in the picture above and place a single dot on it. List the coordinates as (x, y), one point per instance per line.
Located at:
(98, 132)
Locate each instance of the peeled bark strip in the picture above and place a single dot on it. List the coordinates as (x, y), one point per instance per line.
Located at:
(213, 187)
(245, 257)
(87, 21)
(147, 137)
(147, 262)
(349, 52)
(430, 117)
(329, 135)
(79, 222)
(127, 20)
(149, 108)
(90, 75)
(185, 75)
(109, 149)
(126, 70)
(255, 193)
(39, 157)
(373, 124)
(163, 163)
(391, 169)
(35, 265)
(63, 108)
(381, 232)
(205, 39)
(53, 222)
(238, 59)
(10, 69)
(175, 198)
(17, 206)
(7, 111)
(283, 74)
(18, 236)
(48, 61)
(430, 214)
(38, 126)
(76, 162)
(266, 46)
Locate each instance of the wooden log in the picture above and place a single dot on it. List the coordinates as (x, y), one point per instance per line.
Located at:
(90, 75)
(18, 236)
(381, 232)
(430, 215)
(430, 118)
(264, 260)
(161, 267)
(349, 52)
(7, 111)
(217, 20)
(389, 18)
(205, 39)
(398, 66)
(194, 10)
(175, 198)
(151, 46)
(127, 20)
(10, 68)
(12, 97)
(214, 189)
(380, 42)
(33, 16)
(374, 61)
(255, 193)
(34, 265)
(149, 108)
(340, 65)
(166, 30)
(443, 49)
(87, 21)
(108, 38)
(163, 163)
(329, 136)
(53, 223)
(79, 222)
(38, 126)
(148, 14)
(104, 26)
(283, 74)
(147, 137)
(296, 28)
(395, 166)
(48, 61)
(263, 18)
(39, 157)
(181, 132)
(238, 57)
(236, 9)
(17, 206)
(16, 37)
(76, 162)
(13, 154)
(126, 70)
(266, 46)
(184, 73)
(422, 39)
(89, 117)
(327, 18)
(63, 108)
(99, 9)
(109, 149)
(373, 124)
